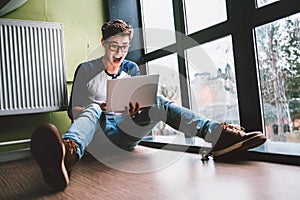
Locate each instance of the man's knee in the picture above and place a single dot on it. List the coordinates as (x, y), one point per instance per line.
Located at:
(93, 109)
(162, 101)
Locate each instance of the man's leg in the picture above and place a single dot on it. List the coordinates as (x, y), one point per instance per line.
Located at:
(126, 132)
(132, 130)
(83, 128)
(56, 155)
(180, 118)
(224, 138)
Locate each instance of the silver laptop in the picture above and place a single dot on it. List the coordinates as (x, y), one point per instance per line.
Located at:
(141, 89)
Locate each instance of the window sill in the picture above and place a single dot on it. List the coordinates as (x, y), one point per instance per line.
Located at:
(277, 152)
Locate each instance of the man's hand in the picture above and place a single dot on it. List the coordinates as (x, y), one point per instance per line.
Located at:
(103, 106)
(134, 110)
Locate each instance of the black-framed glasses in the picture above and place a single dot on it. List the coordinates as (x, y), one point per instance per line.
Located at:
(116, 48)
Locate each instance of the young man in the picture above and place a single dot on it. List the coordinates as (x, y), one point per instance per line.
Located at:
(56, 154)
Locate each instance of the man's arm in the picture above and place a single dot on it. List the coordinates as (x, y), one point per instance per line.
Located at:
(78, 93)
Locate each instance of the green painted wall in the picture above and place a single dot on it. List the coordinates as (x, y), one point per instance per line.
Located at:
(82, 20)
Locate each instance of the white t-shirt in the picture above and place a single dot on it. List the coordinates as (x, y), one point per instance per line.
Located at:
(97, 86)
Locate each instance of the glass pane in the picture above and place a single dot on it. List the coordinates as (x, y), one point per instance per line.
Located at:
(212, 81)
(169, 87)
(158, 24)
(261, 3)
(203, 14)
(278, 54)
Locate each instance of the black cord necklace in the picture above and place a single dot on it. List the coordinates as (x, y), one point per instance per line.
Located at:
(113, 76)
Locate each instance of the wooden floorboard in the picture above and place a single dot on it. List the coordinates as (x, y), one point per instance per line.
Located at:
(147, 175)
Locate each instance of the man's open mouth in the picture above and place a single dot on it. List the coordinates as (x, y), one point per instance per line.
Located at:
(117, 59)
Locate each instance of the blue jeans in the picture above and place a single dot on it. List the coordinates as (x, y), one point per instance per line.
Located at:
(125, 131)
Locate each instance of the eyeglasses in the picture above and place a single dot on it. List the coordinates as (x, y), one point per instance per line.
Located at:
(116, 48)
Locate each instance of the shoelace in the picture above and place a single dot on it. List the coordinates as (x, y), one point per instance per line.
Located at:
(71, 145)
(233, 129)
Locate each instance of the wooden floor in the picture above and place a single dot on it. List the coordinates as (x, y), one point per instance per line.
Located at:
(148, 175)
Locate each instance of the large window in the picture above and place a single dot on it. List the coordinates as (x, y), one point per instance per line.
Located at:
(208, 69)
(242, 66)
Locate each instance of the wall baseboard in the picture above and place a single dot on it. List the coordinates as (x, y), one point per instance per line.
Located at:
(15, 155)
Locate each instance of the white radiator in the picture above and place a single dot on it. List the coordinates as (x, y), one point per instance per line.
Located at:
(32, 67)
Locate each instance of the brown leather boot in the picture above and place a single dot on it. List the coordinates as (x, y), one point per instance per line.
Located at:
(71, 156)
(55, 156)
(236, 139)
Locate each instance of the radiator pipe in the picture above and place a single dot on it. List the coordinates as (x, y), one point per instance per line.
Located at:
(14, 142)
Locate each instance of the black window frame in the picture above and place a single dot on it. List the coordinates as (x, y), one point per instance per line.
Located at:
(243, 17)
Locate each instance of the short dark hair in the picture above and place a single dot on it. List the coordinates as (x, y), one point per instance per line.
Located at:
(116, 27)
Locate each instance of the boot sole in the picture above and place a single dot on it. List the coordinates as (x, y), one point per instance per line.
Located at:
(241, 146)
(48, 151)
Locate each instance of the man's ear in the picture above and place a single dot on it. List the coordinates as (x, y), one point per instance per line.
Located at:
(102, 42)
